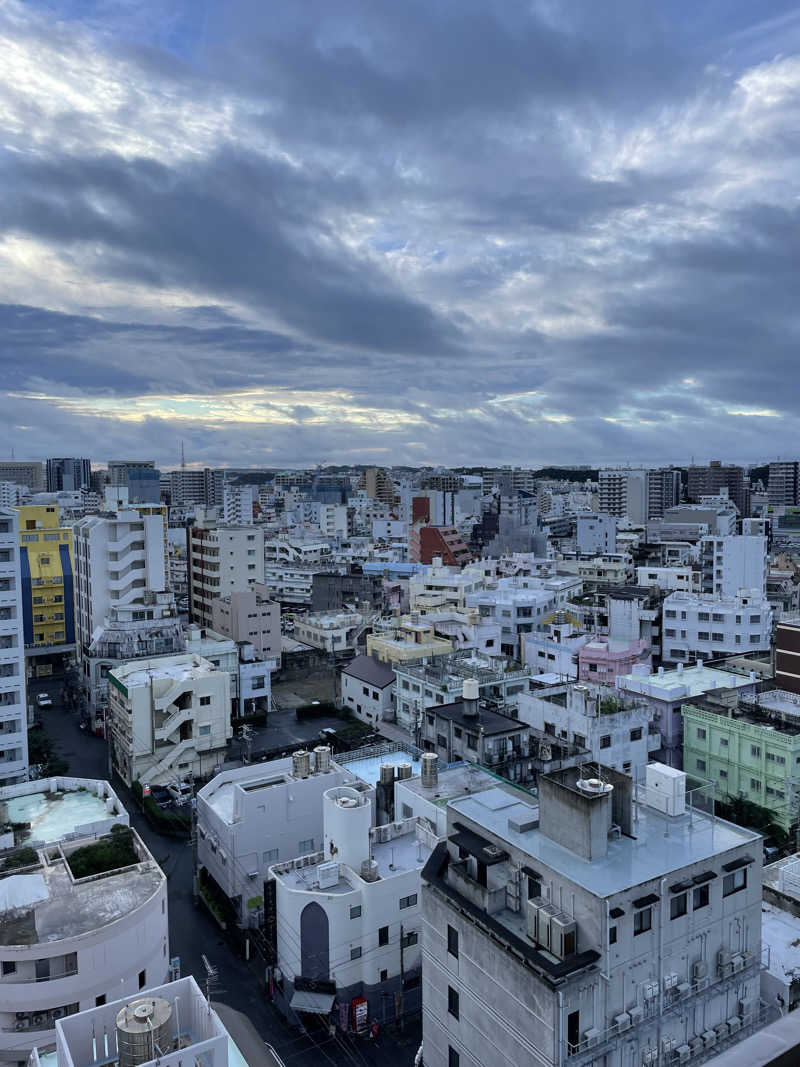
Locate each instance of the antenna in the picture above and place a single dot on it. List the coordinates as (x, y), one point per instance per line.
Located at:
(183, 458)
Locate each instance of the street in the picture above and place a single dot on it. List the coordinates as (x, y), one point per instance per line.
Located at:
(193, 933)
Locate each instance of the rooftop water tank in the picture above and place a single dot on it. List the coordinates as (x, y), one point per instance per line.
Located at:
(387, 773)
(322, 759)
(430, 770)
(144, 1030)
(301, 763)
(404, 770)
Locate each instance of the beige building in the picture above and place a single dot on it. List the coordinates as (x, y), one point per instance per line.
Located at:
(249, 616)
(221, 560)
(407, 640)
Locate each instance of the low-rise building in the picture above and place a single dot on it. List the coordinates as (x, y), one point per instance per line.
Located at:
(249, 616)
(707, 626)
(604, 659)
(437, 587)
(71, 939)
(331, 631)
(554, 649)
(406, 639)
(250, 672)
(368, 689)
(688, 579)
(169, 717)
(602, 924)
(522, 605)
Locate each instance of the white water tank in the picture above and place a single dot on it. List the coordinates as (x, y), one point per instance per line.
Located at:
(301, 763)
(322, 759)
(346, 821)
(430, 770)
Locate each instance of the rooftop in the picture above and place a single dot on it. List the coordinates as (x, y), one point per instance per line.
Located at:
(457, 781)
(177, 668)
(368, 767)
(370, 670)
(689, 682)
(487, 721)
(55, 813)
(662, 843)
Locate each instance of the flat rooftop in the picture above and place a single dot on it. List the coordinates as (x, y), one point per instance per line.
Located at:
(491, 722)
(191, 666)
(457, 781)
(54, 815)
(368, 768)
(45, 905)
(690, 682)
(782, 701)
(662, 844)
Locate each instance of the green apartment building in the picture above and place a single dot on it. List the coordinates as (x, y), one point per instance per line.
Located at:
(749, 750)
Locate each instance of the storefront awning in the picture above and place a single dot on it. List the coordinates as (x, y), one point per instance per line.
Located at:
(318, 1003)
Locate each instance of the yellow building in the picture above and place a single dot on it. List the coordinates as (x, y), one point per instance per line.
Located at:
(46, 564)
(407, 640)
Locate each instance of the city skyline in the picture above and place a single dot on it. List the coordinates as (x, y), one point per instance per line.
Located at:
(357, 233)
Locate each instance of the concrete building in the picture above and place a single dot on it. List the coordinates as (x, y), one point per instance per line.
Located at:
(427, 543)
(730, 564)
(68, 475)
(784, 483)
(22, 472)
(663, 490)
(687, 579)
(605, 925)
(440, 680)
(221, 560)
(249, 616)
(555, 649)
(12, 494)
(13, 692)
(204, 487)
(436, 586)
(596, 534)
(787, 654)
(707, 626)
(331, 631)
(604, 659)
(46, 561)
(331, 591)
(68, 941)
(368, 689)
(618, 731)
(522, 605)
(169, 718)
(237, 508)
(466, 629)
(140, 478)
(667, 691)
(426, 797)
(405, 640)
(710, 480)
(623, 493)
(751, 749)
(249, 671)
(377, 483)
(291, 585)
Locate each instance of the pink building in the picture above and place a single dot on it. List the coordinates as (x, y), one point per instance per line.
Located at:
(604, 659)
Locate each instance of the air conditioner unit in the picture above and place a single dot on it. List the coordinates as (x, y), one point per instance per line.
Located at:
(650, 990)
(622, 1021)
(684, 1052)
(649, 1056)
(684, 989)
(57, 1013)
(696, 1044)
(546, 914)
(670, 981)
(709, 1038)
(746, 1011)
(533, 917)
(327, 875)
(734, 1024)
(636, 1014)
(38, 1020)
(699, 970)
(722, 1030)
(737, 963)
(563, 936)
(591, 1037)
(23, 1025)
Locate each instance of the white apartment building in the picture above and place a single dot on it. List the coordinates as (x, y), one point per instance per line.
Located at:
(221, 560)
(368, 689)
(624, 493)
(169, 718)
(12, 494)
(70, 942)
(687, 579)
(466, 629)
(438, 587)
(250, 672)
(522, 605)
(330, 631)
(347, 916)
(596, 534)
(730, 564)
(13, 692)
(554, 649)
(602, 924)
(237, 506)
(705, 626)
(618, 731)
(290, 585)
(294, 552)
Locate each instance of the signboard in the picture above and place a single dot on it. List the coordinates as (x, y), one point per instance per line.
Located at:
(146, 789)
(359, 1010)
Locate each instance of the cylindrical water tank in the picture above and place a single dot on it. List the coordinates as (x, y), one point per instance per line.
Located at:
(144, 1031)
(322, 759)
(470, 697)
(369, 870)
(430, 770)
(387, 773)
(346, 821)
(301, 763)
(404, 770)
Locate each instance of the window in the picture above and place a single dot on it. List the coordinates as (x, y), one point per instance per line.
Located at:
(452, 941)
(355, 911)
(636, 735)
(142, 979)
(9, 967)
(409, 901)
(755, 750)
(355, 953)
(205, 701)
(204, 731)
(457, 732)
(472, 741)
(409, 939)
(453, 1058)
(100, 1001)
(612, 935)
(717, 637)
(723, 773)
(701, 764)
(452, 1001)
(703, 616)
(642, 921)
(383, 935)
(678, 906)
(701, 896)
(734, 882)
(701, 733)
(703, 635)
(306, 846)
(605, 741)
(755, 785)
(271, 855)
(579, 740)
(723, 742)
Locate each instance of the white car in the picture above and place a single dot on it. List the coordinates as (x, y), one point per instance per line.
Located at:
(180, 792)
(44, 701)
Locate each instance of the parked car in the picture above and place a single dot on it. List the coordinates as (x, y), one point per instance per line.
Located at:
(44, 701)
(181, 792)
(161, 796)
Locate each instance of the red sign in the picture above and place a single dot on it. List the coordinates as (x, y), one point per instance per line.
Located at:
(359, 1010)
(145, 790)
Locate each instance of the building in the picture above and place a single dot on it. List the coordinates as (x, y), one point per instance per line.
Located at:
(688, 579)
(291, 585)
(445, 543)
(603, 925)
(331, 591)
(554, 649)
(377, 483)
(46, 561)
(21, 472)
(249, 671)
(710, 480)
(221, 560)
(784, 483)
(522, 605)
(466, 629)
(623, 493)
(407, 639)
(368, 689)
(238, 501)
(604, 659)
(68, 475)
(84, 919)
(139, 477)
(663, 491)
(596, 534)
(706, 626)
(435, 587)
(426, 797)
(169, 718)
(249, 616)
(750, 748)
(13, 692)
(787, 655)
(667, 691)
(440, 680)
(730, 564)
(205, 487)
(617, 730)
(346, 924)
(331, 631)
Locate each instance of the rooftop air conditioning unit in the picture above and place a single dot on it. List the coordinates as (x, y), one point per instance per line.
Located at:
(543, 934)
(563, 936)
(684, 989)
(737, 963)
(709, 1038)
(696, 1045)
(667, 1045)
(327, 875)
(722, 1030)
(670, 981)
(622, 1021)
(734, 1024)
(650, 990)
(533, 917)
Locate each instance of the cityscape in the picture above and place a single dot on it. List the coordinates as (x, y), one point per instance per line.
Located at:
(399, 534)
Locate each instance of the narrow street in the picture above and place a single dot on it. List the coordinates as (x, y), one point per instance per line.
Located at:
(193, 933)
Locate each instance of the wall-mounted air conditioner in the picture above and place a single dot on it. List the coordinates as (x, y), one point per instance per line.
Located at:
(670, 981)
(709, 1038)
(650, 990)
(684, 1052)
(737, 963)
(563, 936)
(649, 1056)
(622, 1021)
(636, 1014)
(591, 1037)
(699, 970)
(543, 934)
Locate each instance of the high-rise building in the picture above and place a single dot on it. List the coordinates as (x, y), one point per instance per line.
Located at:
(624, 493)
(23, 472)
(708, 481)
(13, 697)
(192, 487)
(68, 474)
(46, 558)
(784, 483)
(221, 560)
(730, 564)
(139, 477)
(238, 504)
(377, 483)
(663, 491)
(118, 469)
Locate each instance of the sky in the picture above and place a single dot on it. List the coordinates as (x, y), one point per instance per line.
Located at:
(437, 231)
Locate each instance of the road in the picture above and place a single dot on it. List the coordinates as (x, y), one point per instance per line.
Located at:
(193, 933)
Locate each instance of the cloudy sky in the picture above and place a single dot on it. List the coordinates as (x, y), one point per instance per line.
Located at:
(442, 231)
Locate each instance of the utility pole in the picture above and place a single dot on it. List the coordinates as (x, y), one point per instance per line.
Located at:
(246, 738)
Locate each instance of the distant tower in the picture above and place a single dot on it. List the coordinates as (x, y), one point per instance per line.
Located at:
(183, 458)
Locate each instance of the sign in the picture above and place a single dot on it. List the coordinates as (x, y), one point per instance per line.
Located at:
(175, 968)
(146, 789)
(359, 1010)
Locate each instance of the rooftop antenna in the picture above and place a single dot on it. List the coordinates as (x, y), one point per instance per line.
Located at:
(183, 458)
